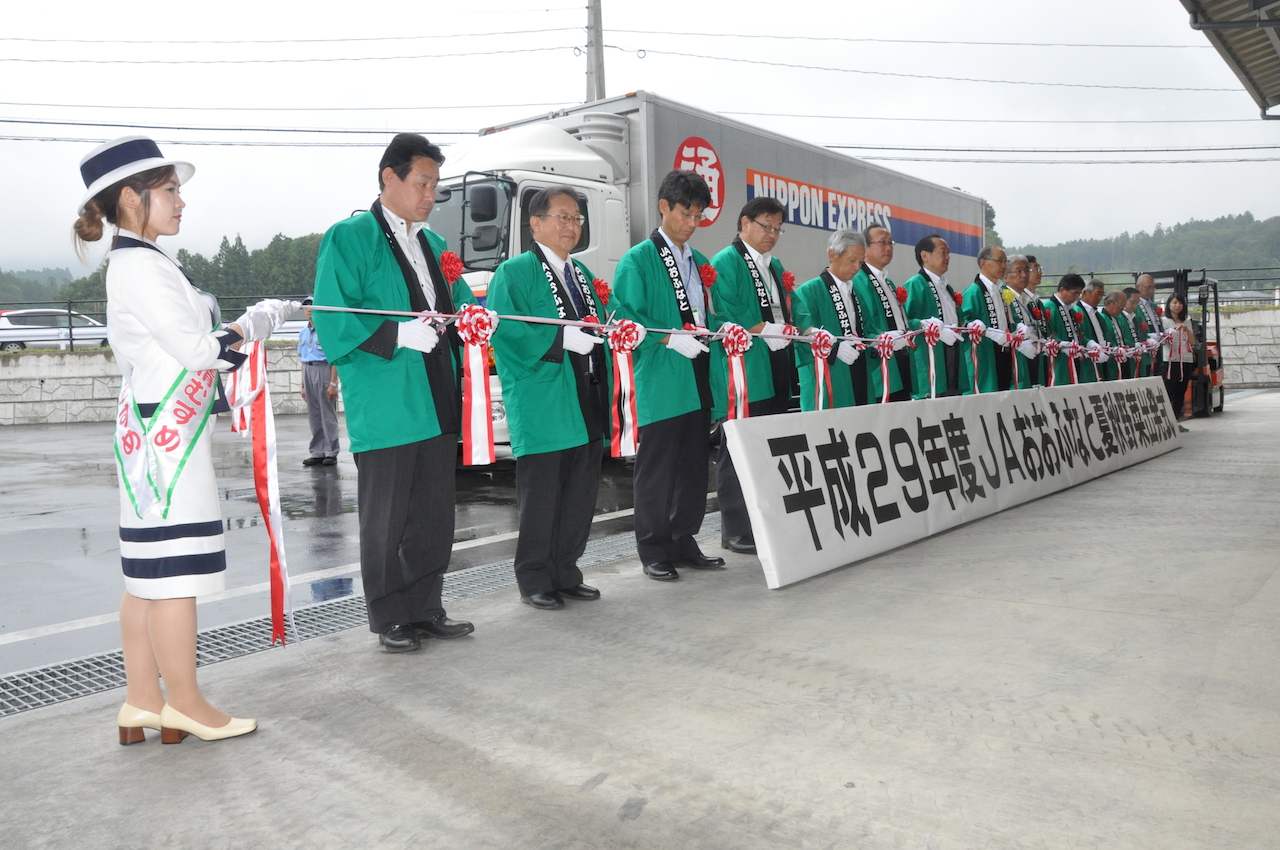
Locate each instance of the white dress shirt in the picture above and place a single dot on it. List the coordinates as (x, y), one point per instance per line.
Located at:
(846, 295)
(1027, 299)
(1002, 311)
(878, 279)
(764, 265)
(691, 277)
(1093, 319)
(406, 234)
(949, 314)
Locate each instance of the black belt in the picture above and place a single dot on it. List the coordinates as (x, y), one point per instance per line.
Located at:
(315, 362)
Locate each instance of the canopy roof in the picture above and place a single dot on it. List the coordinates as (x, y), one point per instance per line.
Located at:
(1246, 33)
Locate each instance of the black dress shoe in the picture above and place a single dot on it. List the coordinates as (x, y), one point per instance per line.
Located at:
(702, 562)
(582, 591)
(400, 639)
(661, 572)
(313, 461)
(330, 461)
(444, 628)
(544, 601)
(741, 545)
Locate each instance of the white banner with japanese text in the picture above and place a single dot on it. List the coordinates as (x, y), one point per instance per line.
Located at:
(828, 488)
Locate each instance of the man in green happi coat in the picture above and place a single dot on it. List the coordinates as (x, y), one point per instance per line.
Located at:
(827, 303)
(983, 302)
(930, 299)
(1091, 336)
(750, 291)
(1063, 324)
(1149, 315)
(555, 381)
(1024, 313)
(659, 284)
(1118, 332)
(401, 390)
(882, 312)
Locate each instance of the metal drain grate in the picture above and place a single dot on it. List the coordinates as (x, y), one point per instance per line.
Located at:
(93, 674)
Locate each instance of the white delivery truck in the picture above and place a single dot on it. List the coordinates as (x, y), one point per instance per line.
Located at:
(615, 152)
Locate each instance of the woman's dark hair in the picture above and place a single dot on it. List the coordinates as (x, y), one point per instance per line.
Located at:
(1168, 308)
(403, 150)
(684, 189)
(106, 205)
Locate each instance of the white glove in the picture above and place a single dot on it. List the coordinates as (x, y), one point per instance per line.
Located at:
(686, 345)
(1154, 339)
(999, 337)
(774, 329)
(847, 352)
(1024, 329)
(1093, 343)
(416, 334)
(900, 340)
(255, 325)
(579, 341)
(949, 337)
(278, 310)
(1029, 349)
(932, 322)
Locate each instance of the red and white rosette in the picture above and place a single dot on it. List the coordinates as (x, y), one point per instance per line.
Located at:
(623, 338)
(475, 326)
(821, 344)
(1052, 347)
(976, 330)
(1072, 350)
(1016, 338)
(736, 341)
(251, 416)
(884, 350)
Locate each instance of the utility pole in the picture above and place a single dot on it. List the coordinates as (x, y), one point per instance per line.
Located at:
(595, 52)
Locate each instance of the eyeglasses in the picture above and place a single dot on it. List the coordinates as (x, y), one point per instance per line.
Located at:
(773, 231)
(567, 220)
(881, 242)
(697, 218)
(997, 262)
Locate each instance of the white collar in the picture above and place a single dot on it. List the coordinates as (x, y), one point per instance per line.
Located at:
(988, 283)
(836, 279)
(879, 273)
(403, 226)
(684, 252)
(549, 252)
(933, 278)
(762, 261)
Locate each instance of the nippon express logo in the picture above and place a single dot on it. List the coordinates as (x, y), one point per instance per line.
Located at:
(696, 154)
(816, 206)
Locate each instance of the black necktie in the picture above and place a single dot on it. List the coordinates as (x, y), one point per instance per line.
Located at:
(575, 294)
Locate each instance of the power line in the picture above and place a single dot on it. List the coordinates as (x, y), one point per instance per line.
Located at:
(998, 120)
(914, 40)
(1069, 161)
(382, 131)
(205, 143)
(641, 53)
(280, 108)
(284, 40)
(46, 60)
(926, 149)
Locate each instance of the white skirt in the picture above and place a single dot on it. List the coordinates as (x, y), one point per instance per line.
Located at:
(183, 554)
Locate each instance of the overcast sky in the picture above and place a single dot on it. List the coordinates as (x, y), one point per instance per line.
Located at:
(260, 191)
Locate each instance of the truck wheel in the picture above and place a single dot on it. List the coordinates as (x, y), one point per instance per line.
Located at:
(13, 346)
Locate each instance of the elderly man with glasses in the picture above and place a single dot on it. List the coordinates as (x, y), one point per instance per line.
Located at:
(1024, 313)
(750, 291)
(555, 381)
(983, 302)
(882, 310)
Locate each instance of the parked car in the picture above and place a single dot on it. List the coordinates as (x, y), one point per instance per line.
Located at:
(48, 328)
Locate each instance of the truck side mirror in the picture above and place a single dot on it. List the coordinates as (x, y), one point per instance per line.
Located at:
(485, 238)
(483, 203)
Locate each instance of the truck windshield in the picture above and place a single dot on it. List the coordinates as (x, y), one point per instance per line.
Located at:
(476, 220)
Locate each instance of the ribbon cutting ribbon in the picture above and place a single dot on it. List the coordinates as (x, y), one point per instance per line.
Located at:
(1016, 339)
(475, 326)
(821, 343)
(884, 350)
(623, 338)
(932, 336)
(975, 331)
(736, 341)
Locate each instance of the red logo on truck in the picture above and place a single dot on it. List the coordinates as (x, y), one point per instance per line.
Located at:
(696, 154)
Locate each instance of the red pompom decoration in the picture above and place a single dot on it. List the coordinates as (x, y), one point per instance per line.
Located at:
(789, 281)
(451, 266)
(1035, 312)
(602, 290)
(708, 273)
(959, 299)
(1144, 327)
(902, 294)
(1079, 317)
(1160, 311)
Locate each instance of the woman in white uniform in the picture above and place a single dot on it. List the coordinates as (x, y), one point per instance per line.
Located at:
(168, 341)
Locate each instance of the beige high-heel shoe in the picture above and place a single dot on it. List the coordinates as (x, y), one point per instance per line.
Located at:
(132, 720)
(174, 726)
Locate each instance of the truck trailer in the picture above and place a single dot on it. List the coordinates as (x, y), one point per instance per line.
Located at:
(615, 152)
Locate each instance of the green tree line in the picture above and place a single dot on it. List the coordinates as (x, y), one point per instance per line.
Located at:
(1230, 242)
(286, 266)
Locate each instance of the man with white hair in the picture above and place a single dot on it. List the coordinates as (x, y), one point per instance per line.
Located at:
(1091, 335)
(1024, 313)
(1149, 314)
(827, 303)
(1119, 333)
(983, 304)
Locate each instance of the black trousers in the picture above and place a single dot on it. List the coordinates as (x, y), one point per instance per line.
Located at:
(734, 520)
(556, 498)
(903, 359)
(406, 501)
(1176, 376)
(670, 487)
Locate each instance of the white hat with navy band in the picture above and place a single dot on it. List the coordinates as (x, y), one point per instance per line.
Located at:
(109, 163)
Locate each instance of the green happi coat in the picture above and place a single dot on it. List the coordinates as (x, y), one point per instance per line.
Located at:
(733, 299)
(811, 307)
(1018, 315)
(922, 303)
(387, 402)
(874, 323)
(1060, 330)
(1141, 327)
(974, 306)
(1118, 332)
(539, 385)
(1086, 372)
(643, 293)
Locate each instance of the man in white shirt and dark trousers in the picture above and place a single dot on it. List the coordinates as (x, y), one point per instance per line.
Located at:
(320, 392)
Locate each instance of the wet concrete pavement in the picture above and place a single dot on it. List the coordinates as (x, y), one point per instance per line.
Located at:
(59, 545)
(1096, 669)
